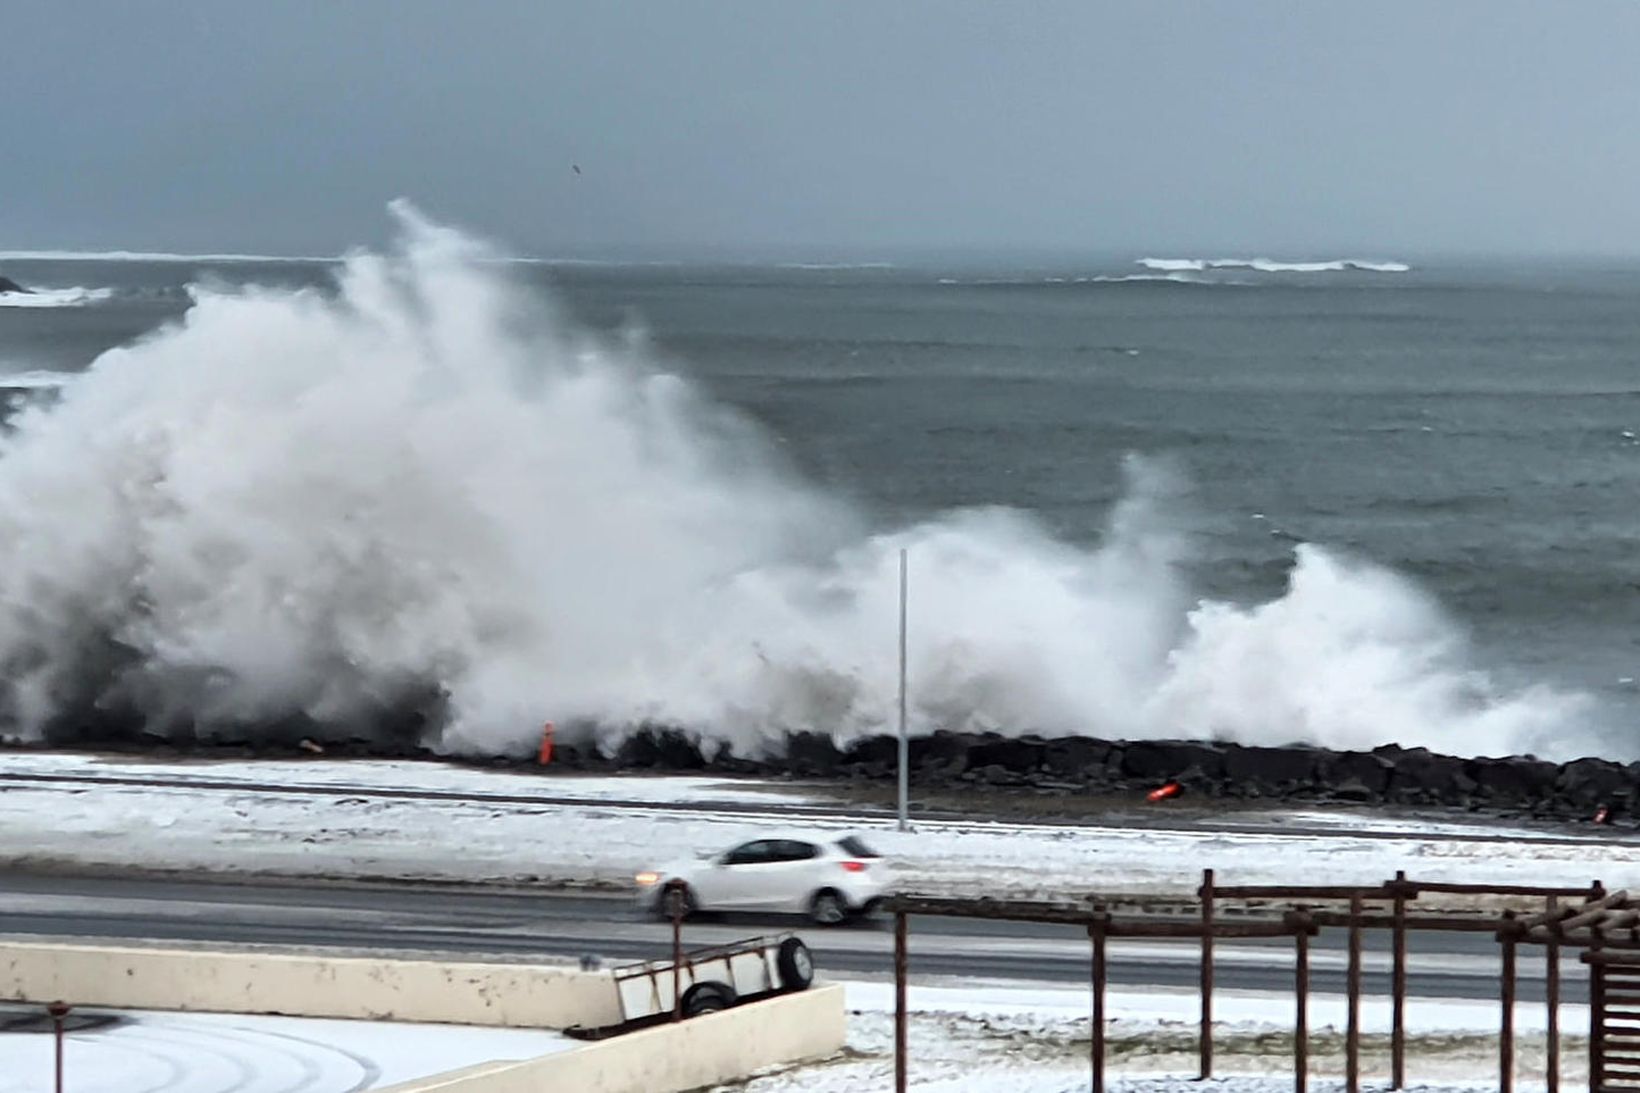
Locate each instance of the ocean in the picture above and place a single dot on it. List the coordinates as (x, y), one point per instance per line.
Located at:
(1333, 500)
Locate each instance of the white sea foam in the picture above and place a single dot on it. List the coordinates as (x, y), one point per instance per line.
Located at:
(1270, 265)
(55, 297)
(35, 380)
(296, 501)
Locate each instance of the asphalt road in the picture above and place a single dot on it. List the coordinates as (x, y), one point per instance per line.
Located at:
(518, 924)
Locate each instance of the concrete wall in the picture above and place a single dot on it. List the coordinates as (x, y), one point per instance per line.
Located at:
(701, 1051)
(308, 985)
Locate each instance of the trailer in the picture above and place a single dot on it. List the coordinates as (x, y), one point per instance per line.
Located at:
(712, 979)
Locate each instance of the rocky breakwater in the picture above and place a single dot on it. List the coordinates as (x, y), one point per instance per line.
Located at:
(1583, 789)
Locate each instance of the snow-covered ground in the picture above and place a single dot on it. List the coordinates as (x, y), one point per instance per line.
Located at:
(978, 1037)
(213, 1053)
(508, 830)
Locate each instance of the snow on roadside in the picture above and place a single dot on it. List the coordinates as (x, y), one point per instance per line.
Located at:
(347, 832)
(1035, 1040)
(365, 775)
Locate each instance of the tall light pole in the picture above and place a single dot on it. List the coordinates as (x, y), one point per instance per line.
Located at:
(905, 743)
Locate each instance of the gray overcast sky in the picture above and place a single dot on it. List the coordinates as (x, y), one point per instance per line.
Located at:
(863, 129)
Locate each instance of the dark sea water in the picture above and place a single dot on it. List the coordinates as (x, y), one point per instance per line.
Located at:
(1474, 428)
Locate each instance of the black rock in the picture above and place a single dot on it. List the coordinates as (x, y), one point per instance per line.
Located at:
(1354, 791)
(1152, 760)
(1246, 767)
(1021, 755)
(1076, 756)
(812, 753)
(8, 285)
(1518, 778)
(1368, 769)
(1589, 783)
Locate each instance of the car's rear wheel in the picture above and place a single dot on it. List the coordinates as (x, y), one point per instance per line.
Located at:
(828, 908)
(707, 998)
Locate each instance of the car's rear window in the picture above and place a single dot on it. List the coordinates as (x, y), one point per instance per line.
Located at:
(859, 849)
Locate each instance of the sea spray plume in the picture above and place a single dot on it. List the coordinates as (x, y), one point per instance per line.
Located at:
(422, 502)
(307, 505)
(1352, 656)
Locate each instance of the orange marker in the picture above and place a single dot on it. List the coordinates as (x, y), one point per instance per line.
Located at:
(546, 743)
(1162, 793)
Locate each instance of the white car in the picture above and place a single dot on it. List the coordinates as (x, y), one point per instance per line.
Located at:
(825, 876)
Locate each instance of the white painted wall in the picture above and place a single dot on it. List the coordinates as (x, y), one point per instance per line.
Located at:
(691, 1054)
(308, 985)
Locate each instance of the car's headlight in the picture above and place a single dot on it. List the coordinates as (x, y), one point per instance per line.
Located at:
(647, 878)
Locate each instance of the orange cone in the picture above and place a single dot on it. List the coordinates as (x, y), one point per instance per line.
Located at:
(546, 743)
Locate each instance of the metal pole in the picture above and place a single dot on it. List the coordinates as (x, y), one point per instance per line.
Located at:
(676, 899)
(905, 743)
(899, 1002)
(1301, 1019)
(1506, 1030)
(1398, 995)
(1096, 933)
(1207, 974)
(1551, 976)
(58, 1012)
(1352, 1033)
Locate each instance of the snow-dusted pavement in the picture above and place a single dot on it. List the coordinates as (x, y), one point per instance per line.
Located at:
(218, 1053)
(351, 819)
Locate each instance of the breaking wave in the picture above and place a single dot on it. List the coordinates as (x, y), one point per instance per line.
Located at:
(55, 297)
(1269, 265)
(422, 502)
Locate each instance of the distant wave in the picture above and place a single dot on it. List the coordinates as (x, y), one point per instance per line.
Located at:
(1099, 279)
(148, 256)
(836, 265)
(55, 297)
(1270, 265)
(37, 380)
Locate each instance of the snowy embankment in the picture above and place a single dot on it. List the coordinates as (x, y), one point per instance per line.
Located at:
(354, 820)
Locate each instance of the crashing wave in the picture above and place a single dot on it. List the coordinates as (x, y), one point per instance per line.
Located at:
(424, 503)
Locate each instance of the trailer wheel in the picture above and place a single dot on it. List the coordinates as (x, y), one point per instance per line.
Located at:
(796, 965)
(707, 998)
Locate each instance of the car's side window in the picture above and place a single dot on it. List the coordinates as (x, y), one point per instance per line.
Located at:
(748, 853)
(793, 850)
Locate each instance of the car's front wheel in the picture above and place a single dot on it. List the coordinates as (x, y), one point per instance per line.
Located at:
(828, 908)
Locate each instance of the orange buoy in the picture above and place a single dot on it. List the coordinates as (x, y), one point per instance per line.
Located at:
(546, 743)
(1162, 793)
(1602, 814)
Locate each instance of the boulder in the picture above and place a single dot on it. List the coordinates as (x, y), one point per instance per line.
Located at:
(1354, 791)
(873, 756)
(812, 753)
(1590, 783)
(660, 748)
(1364, 768)
(1160, 760)
(1514, 779)
(1076, 756)
(1422, 776)
(1248, 767)
(1019, 754)
(943, 754)
(8, 285)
